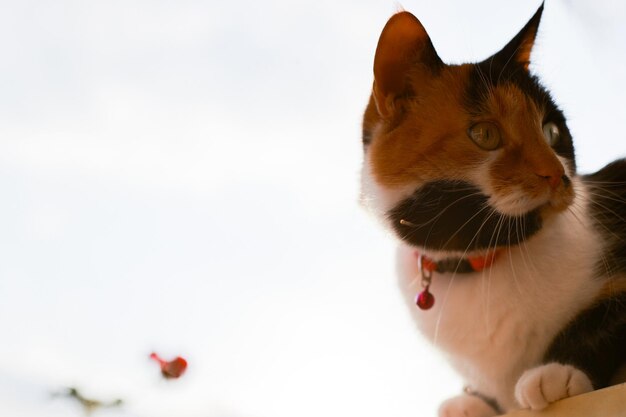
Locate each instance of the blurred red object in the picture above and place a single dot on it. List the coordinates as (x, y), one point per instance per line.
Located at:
(171, 369)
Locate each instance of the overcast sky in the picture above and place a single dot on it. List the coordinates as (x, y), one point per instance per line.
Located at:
(183, 177)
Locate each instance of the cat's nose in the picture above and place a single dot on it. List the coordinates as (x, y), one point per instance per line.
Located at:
(554, 177)
(547, 167)
(552, 173)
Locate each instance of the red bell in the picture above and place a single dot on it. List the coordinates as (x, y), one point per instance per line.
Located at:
(425, 300)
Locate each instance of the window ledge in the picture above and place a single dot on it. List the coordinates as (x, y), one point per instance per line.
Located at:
(608, 402)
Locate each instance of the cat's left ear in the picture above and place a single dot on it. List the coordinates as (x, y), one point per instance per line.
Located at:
(519, 48)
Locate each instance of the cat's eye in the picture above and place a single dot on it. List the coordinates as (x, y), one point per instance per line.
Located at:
(551, 133)
(486, 135)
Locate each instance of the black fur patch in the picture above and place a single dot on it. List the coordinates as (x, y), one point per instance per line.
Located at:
(453, 215)
(595, 342)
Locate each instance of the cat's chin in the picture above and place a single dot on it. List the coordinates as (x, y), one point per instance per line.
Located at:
(552, 206)
(546, 208)
(514, 205)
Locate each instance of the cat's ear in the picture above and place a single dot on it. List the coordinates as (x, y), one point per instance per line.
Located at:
(404, 57)
(519, 48)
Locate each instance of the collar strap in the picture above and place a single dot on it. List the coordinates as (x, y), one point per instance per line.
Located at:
(458, 265)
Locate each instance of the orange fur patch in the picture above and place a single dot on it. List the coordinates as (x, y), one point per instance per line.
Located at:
(427, 139)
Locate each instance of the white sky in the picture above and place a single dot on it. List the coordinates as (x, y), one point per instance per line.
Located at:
(183, 177)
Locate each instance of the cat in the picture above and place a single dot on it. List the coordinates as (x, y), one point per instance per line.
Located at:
(519, 262)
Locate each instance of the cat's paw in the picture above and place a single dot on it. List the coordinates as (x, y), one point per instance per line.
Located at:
(538, 387)
(466, 406)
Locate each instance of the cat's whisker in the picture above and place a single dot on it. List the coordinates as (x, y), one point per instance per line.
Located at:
(519, 228)
(485, 288)
(593, 201)
(594, 182)
(531, 259)
(603, 257)
(433, 221)
(603, 191)
(482, 225)
(574, 207)
(599, 222)
(514, 54)
(607, 229)
(513, 269)
(487, 293)
(438, 217)
(497, 228)
(441, 311)
(486, 84)
(489, 216)
(597, 203)
(465, 224)
(520, 225)
(604, 185)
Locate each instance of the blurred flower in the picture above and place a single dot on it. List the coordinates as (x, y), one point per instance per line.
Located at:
(170, 369)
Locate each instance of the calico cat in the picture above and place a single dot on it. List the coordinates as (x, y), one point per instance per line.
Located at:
(519, 262)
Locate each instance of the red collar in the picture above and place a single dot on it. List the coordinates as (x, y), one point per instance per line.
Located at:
(425, 300)
(458, 265)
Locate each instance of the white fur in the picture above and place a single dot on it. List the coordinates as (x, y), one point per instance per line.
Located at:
(540, 386)
(496, 324)
(466, 406)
